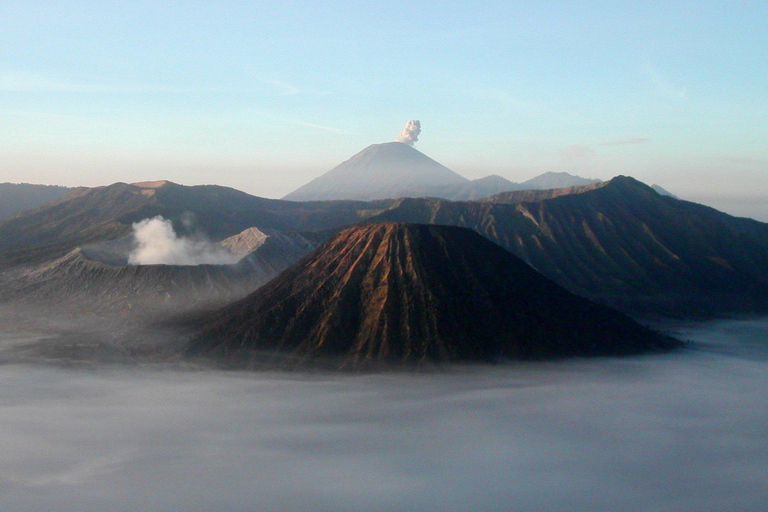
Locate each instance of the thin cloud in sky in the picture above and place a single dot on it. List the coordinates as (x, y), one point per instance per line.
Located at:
(514, 104)
(265, 115)
(663, 84)
(761, 162)
(15, 81)
(624, 142)
(584, 155)
(578, 154)
(321, 127)
(581, 151)
(505, 99)
(284, 88)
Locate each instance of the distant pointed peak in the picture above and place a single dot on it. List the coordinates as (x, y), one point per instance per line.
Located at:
(627, 184)
(492, 178)
(380, 171)
(245, 242)
(625, 180)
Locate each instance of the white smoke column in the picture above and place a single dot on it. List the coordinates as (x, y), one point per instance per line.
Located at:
(156, 243)
(410, 133)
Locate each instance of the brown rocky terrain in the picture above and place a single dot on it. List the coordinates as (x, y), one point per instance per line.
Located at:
(400, 292)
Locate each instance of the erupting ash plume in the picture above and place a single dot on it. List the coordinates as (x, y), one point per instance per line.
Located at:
(156, 243)
(410, 133)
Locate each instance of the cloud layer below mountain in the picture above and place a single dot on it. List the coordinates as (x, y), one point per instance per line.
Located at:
(682, 432)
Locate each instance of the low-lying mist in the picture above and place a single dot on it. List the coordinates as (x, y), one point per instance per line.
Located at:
(677, 432)
(156, 243)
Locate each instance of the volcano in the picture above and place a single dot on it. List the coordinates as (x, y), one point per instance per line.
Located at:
(380, 171)
(97, 277)
(406, 292)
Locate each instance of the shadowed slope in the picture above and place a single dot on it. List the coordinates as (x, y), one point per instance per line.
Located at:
(106, 213)
(16, 198)
(535, 195)
(622, 243)
(413, 292)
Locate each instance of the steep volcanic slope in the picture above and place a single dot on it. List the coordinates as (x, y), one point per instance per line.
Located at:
(624, 244)
(380, 171)
(412, 292)
(20, 197)
(105, 213)
(394, 170)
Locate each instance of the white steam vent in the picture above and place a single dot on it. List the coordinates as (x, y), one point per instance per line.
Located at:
(156, 243)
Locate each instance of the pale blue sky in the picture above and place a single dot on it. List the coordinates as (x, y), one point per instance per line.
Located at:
(264, 96)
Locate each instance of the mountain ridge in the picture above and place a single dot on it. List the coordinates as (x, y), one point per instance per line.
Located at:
(622, 243)
(394, 170)
(105, 213)
(551, 180)
(618, 242)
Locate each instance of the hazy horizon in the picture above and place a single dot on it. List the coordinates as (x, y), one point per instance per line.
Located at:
(748, 203)
(265, 97)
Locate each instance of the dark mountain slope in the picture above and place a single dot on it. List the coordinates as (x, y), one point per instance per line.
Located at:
(534, 195)
(380, 171)
(618, 242)
(16, 198)
(106, 213)
(410, 293)
(624, 244)
(55, 230)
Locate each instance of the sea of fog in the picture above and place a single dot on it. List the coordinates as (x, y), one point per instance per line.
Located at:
(680, 432)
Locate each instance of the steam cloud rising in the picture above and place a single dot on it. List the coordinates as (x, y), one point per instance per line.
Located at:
(410, 134)
(156, 243)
